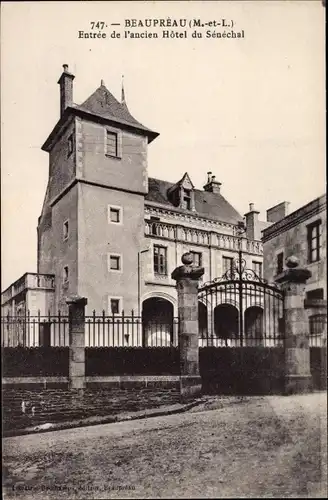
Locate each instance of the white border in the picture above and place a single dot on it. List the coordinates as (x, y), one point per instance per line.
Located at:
(120, 209)
(111, 254)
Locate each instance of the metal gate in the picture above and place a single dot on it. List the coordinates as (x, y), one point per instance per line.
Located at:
(240, 309)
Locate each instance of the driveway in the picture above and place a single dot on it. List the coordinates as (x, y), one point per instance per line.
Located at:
(258, 447)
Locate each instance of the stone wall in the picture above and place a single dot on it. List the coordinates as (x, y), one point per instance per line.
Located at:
(29, 407)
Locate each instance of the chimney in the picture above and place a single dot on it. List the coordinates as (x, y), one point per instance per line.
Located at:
(212, 186)
(278, 212)
(253, 230)
(66, 89)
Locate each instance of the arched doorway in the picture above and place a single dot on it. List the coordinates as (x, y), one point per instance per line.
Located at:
(157, 322)
(202, 320)
(254, 326)
(226, 325)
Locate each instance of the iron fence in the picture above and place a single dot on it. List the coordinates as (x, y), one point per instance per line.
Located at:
(219, 324)
(35, 330)
(124, 330)
(240, 309)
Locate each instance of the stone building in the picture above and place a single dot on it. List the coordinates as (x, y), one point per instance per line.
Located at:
(109, 233)
(301, 234)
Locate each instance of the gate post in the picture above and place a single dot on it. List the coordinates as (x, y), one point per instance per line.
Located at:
(296, 343)
(76, 313)
(187, 278)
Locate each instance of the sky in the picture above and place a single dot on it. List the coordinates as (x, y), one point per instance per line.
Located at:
(250, 110)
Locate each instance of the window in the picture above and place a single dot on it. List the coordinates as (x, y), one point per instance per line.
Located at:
(154, 228)
(280, 263)
(160, 260)
(313, 238)
(115, 263)
(227, 264)
(316, 294)
(257, 268)
(197, 258)
(186, 199)
(317, 324)
(65, 274)
(111, 143)
(114, 305)
(70, 145)
(65, 230)
(115, 215)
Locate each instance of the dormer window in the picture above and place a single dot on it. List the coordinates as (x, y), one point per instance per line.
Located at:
(186, 199)
(182, 194)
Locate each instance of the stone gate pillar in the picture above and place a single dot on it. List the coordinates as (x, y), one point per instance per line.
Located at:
(76, 312)
(187, 278)
(297, 352)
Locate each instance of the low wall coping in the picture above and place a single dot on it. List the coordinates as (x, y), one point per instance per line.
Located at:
(109, 378)
(33, 380)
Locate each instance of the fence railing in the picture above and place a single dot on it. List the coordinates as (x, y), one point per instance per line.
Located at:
(102, 330)
(129, 331)
(35, 330)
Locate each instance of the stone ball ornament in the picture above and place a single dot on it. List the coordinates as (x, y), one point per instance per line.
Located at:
(295, 273)
(187, 259)
(292, 262)
(187, 270)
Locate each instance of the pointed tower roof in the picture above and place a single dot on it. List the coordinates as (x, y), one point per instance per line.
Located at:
(103, 107)
(103, 103)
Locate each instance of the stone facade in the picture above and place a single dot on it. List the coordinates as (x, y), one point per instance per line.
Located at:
(295, 235)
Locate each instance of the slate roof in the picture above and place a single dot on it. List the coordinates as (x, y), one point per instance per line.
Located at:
(210, 205)
(104, 104)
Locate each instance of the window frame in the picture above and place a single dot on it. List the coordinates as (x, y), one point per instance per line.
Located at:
(70, 144)
(225, 258)
(311, 228)
(118, 135)
(120, 304)
(165, 267)
(279, 269)
(186, 199)
(65, 232)
(200, 255)
(315, 294)
(65, 275)
(120, 260)
(260, 264)
(120, 214)
(315, 321)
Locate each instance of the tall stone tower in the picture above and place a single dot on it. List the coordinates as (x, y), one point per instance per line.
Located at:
(91, 227)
